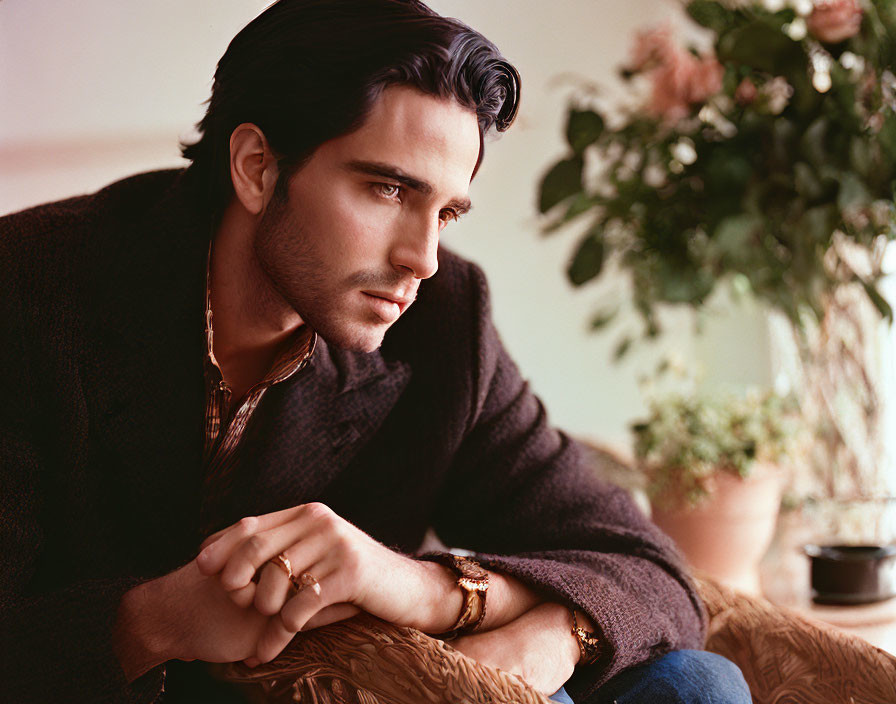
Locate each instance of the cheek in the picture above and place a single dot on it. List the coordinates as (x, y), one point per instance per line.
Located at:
(359, 227)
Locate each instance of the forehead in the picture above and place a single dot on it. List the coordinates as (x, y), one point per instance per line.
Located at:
(432, 138)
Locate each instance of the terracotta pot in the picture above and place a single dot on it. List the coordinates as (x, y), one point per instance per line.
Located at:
(727, 535)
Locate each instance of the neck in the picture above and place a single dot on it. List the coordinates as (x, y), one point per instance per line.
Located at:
(250, 318)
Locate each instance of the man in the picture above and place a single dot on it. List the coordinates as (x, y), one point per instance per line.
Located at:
(229, 389)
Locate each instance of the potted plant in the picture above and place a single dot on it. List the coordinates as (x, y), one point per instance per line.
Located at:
(764, 158)
(714, 469)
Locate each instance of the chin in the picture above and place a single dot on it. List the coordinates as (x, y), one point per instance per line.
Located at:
(366, 338)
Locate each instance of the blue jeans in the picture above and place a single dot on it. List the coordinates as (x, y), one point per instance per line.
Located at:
(680, 677)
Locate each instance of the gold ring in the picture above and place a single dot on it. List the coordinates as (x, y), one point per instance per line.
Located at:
(305, 580)
(282, 561)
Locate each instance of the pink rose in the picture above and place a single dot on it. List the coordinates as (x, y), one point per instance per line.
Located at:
(678, 78)
(652, 47)
(682, 81)
(746, 92)
(832, 21)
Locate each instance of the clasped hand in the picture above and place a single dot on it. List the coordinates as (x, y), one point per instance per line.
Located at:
(355, 572)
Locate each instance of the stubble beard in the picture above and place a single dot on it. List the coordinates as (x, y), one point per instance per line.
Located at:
(292, 267)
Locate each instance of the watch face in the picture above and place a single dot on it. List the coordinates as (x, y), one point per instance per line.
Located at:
(472, 574)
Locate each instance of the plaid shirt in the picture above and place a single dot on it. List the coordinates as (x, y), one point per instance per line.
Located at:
(226, 423)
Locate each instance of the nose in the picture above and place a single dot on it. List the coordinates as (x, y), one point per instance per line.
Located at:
(416, 249)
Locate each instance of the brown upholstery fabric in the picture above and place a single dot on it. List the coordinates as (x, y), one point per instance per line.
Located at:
(367, 661)
(785, 659)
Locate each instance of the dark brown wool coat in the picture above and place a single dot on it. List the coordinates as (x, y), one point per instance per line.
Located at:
(101, 302)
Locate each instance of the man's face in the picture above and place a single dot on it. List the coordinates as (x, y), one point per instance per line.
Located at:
(360, 228)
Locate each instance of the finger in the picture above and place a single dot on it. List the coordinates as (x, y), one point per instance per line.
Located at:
(298, 539)
(296, 613)
(214, 553)
(214, 536)
(281, 630)
(331, 614)
(216, 548)
(273, 640)
(273, 590)
(251, 662)
(245, 596)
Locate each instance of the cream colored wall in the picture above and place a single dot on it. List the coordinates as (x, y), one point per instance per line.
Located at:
(95, 90)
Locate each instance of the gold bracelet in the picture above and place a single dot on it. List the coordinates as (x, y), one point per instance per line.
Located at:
(589, 643)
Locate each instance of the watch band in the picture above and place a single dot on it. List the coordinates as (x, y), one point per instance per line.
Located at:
(472, 579)
(589, 644)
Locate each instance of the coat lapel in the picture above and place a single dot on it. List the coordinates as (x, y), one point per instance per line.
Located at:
(310, 428)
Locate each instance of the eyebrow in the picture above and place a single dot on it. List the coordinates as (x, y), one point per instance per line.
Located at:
(389, 171)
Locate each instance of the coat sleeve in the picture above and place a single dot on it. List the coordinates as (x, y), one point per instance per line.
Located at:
(56, 643)
(520, 494)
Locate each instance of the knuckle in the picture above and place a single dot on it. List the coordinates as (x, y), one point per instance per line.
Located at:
(319, 511)
(247, 525)
(256, 547)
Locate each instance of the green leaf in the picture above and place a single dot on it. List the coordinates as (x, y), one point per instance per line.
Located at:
(604, 318)
(816, 225)
(853, 193)
(588, 260)
(813, 142)
(678, 285)
(562, 181)
(861, 156)
(583, 129)
(727, 170)
(887, 135)
(879, 301)
(763, 47)
(735, 236)
(580, 204)
(807, 181)
(709, 13)
(622, 348)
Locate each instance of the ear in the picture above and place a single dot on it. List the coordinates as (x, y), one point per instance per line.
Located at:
(253, 168)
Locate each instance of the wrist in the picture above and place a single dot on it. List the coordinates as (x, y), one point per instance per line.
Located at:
(445, 598)
(138, 640)
(556, 618)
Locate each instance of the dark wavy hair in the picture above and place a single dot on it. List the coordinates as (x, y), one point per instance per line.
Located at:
(306, 71)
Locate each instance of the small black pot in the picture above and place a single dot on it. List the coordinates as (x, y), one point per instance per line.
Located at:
(852, 574)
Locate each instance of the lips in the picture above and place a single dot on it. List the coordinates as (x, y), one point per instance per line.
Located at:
(401, 301)
(387, 306)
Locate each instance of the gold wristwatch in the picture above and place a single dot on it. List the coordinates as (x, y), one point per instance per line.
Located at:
(589, 643)
(473, 581)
